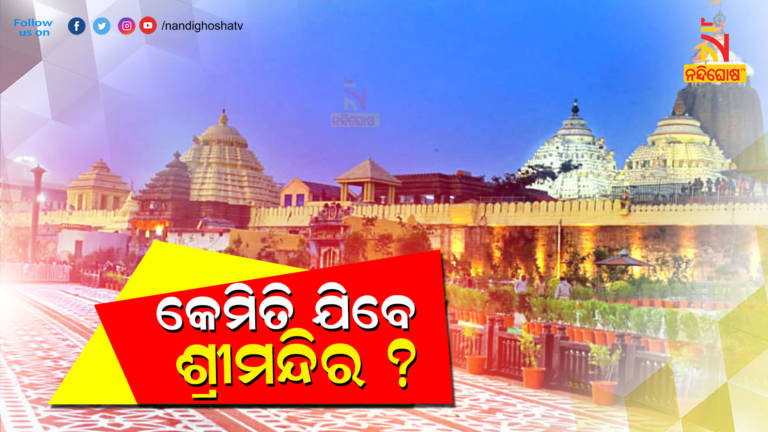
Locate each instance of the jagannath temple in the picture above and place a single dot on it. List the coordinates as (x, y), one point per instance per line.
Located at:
(223, 169)
(677, 152)
(593, 166)
(217, 181)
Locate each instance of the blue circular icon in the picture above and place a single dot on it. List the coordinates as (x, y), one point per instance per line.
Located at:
(76, 25)
(101, 25)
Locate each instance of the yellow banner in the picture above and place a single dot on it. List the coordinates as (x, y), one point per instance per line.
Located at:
(715, 73)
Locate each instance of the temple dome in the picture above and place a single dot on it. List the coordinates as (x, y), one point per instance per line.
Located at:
(678, 125)
(678, 151)
(222, 132)
(575, 144)
(223, 169)
(575, 124)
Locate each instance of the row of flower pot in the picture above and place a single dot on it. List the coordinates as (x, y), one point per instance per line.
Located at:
(669, 304)
(479, 317)
(113, 286)
(470, 316)
(598, 336)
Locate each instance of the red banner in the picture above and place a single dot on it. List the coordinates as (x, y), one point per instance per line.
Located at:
(368, 333)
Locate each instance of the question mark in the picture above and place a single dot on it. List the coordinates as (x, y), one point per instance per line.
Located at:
(402, 345)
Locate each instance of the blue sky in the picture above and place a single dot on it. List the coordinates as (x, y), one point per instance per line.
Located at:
(465, 85)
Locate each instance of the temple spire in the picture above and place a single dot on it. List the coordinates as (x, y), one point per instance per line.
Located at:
(223, 119)
(575, 107)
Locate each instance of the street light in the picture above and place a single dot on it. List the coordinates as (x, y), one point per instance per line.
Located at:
(38, 172)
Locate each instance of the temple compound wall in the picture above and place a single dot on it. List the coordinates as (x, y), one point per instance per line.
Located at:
(545, 213)
(712, 237)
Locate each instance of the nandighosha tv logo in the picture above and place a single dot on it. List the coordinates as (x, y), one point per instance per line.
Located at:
(30, 27)
(711, 67)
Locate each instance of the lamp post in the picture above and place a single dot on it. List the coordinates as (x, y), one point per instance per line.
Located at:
(38, 173)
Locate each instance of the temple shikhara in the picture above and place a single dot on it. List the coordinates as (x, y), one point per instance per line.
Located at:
(677, 152)
(223, 169)
(594, 167)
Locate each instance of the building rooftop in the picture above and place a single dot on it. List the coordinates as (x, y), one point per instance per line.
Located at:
(367, 171)
(99, 176)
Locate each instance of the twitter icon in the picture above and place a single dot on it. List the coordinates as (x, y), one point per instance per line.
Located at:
(101, 25)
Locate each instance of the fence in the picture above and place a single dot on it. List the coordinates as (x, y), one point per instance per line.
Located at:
(683, 193)
(26, 272)
(645, 375)
(103, 279)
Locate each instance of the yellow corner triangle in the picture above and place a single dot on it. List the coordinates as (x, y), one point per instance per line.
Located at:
(96, 378)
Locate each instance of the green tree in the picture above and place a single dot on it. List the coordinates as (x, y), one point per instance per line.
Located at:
(415, 240)
(355, 247)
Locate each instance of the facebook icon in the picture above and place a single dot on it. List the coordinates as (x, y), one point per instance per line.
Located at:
(76, 25)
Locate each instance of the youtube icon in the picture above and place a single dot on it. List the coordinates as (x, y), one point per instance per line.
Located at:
(147, 25)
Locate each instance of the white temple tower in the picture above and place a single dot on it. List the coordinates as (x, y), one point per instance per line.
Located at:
(223, 169)
(574, 143)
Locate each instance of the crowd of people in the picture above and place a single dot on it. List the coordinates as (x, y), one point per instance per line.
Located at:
(722, 188)
(697, 190)
(44, 270)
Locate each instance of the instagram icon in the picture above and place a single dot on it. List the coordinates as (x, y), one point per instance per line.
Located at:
(126, 26)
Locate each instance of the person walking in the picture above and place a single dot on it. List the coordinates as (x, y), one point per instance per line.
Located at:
(521, 286)
(564, 289)
(521, 290)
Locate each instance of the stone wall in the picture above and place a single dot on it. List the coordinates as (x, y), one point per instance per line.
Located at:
(569, 213)
(709, 235)
(710, 249)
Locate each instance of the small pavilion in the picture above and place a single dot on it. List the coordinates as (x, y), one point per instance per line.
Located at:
(370, 176)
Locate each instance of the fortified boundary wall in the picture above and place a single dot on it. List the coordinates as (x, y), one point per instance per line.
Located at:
(552, 213)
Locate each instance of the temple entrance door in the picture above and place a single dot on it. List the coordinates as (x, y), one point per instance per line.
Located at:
(78, 248)
(329, 257)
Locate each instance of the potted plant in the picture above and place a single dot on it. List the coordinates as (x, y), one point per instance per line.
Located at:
(481, 305)
(537, 308)
(609, 323)
(623, 313)
(606, 361)
(689, 324)
(568, 316)
(588, 320)
(622, 289)
(655, 321)
(672, 328)
(533, 375)
(602, 319)
(553, 312)
(475, 362)
(638, 321)
(578, 332)
(501, 300)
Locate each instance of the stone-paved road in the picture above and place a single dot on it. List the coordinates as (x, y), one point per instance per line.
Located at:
(43, 327)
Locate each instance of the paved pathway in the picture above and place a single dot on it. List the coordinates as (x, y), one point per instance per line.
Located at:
(43, 327)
